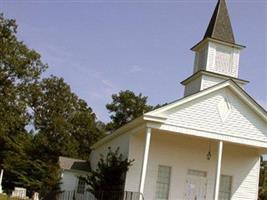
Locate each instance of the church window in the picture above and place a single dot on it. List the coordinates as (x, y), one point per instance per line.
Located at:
(225, 187)
(163, 183)
(81, 186)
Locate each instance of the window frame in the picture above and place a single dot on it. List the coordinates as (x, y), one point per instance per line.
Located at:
(231, 186)
(169, 182)
(80, 187)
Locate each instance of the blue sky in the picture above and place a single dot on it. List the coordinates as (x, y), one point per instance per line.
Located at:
(102, 47)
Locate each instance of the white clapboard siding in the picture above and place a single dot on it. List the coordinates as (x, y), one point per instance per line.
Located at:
(182, 153)
(122, 142)
(223, 59)
(193, 87)
(249, 188)
(209, 81)
(203, 114)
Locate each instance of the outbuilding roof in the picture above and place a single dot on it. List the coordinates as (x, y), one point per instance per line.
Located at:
(66, 163)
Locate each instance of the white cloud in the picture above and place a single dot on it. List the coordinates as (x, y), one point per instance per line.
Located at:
(135, 68)
(107, 83)
(105, 87)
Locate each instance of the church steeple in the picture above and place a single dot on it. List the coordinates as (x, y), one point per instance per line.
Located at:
(216, 55)
(220, 27)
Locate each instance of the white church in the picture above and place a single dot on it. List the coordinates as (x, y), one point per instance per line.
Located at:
(206, 145)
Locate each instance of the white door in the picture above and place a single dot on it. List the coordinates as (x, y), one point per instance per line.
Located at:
(196, 185)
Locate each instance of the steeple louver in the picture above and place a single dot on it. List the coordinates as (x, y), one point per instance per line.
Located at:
(216, 55)
(220, 27)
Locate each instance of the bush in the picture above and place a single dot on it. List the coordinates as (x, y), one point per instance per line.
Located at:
(109, 177)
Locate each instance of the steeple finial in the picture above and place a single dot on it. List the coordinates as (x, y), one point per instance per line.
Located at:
(220, 27)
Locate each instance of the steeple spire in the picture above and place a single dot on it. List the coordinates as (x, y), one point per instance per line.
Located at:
(216, 55)
(220, 27)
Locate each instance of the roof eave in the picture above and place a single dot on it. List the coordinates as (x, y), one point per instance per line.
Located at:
(208, 39)
(119, 131)
(245, 97)
(155, 116)
(204, 72)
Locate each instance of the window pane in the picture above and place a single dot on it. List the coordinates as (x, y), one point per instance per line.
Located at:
(197, 173)
(225, 187)
(163, 183)
(81, 186)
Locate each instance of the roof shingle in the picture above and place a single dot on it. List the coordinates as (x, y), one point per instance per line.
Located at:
(73, 164)
(220, 27)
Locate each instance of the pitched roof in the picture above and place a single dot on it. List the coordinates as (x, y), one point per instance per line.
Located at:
(156, 115)
(213, 74)
(220, 27)
(227, 83)
(66, 163)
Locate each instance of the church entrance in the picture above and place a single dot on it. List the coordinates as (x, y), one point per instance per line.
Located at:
(196, 185)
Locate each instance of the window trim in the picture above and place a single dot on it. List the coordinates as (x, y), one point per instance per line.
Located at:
(231, 186)
(78, 190)
(205, 172)
(169, 183)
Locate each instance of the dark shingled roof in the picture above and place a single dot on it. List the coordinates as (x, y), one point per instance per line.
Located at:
(73, 164)
(220, 27)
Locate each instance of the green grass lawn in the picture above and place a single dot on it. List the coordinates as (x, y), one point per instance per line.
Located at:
(5, 197)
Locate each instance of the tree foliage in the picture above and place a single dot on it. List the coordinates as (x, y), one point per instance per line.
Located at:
(20, 68)
(65, 124)
(40, 119)
(109, 175)
(125, 107)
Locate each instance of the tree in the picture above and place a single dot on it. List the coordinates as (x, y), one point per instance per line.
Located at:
(125, 107)
(109, 177)
(20, 67)
(40, 119)
(65, 124)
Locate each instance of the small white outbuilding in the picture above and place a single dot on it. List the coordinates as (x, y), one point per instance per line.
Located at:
(206, 145)
(73, 172)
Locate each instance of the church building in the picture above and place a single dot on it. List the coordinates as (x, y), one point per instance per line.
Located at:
(206, 145)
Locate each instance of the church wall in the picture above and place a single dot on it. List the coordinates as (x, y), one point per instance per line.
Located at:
(211, 57)
(223, 59)
(204, 114)
(203, 82)
(182, 153)
(208, 81)
(122, 142)
(201, 59)
(136, 151)
(193, 87)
